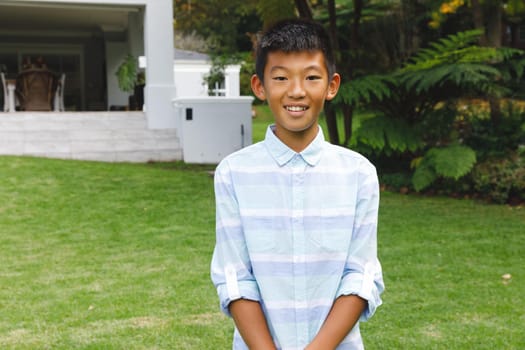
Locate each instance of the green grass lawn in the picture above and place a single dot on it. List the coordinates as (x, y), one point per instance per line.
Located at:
(116, 256)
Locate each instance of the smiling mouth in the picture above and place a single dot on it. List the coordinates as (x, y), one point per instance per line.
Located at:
(296, 108)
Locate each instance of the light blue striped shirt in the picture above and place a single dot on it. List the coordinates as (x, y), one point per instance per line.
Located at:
(295, 231)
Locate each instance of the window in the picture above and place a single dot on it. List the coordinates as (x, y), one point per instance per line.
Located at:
(219, 89)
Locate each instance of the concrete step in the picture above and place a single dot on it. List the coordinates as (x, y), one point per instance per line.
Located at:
(103, 136)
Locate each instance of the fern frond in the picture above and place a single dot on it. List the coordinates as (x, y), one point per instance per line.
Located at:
(371, 133)
(441, 49)
(513, 68)
(424, 176)
(452, 161)
(365, 89)
(386, 134)
(460, 74)
(459, 48)
(400, 136)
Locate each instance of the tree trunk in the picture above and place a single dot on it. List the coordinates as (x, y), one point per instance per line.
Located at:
(514, 35)
(494, 16)
(331, 123)
(356, 21)
(491, 38)
(477, 18)
(348, 116)
(333, 25)
(329, 110)
(304, 9)
(355, 43)
(494, 21)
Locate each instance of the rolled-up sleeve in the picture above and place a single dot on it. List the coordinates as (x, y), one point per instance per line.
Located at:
(362, 272)
(231, 270)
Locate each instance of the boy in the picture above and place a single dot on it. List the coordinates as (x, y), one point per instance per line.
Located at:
(295, 262)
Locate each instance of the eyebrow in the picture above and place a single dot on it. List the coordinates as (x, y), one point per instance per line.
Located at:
(312, 67)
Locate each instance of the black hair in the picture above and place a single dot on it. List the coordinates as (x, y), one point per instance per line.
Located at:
(293, 35)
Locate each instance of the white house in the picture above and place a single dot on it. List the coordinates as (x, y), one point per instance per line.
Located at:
(190, 69)
(87, 40)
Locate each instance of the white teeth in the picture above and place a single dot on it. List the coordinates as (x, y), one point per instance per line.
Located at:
(296, 108)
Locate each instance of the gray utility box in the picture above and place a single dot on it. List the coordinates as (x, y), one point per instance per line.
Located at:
(213, 127)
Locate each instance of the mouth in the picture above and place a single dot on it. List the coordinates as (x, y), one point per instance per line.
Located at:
(296, 108)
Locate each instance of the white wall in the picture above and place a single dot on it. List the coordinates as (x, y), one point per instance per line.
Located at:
(189, 78)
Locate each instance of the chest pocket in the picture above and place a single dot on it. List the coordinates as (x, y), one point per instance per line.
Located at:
(332, 229)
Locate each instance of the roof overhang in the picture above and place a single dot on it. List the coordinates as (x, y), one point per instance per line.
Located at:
(21, 18)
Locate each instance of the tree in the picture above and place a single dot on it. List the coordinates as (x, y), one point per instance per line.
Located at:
(271, 11)
(415, 107)
(223, 23)
(391, 31)
(488, 16)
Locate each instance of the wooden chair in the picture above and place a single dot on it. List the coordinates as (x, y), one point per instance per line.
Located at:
(35, 89)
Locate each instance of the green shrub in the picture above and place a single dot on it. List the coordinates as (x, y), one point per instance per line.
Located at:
(396, 181)
(501, 180)
(491, 139)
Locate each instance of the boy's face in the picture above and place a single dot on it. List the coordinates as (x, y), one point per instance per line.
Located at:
(295, 86)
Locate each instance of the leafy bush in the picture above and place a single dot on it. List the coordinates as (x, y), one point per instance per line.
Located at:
(501, 180)
(396, 181)
(490, 139)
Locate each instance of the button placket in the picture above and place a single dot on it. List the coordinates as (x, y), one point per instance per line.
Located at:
(299, 245)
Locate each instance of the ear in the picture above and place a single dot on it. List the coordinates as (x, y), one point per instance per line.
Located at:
(258, 87)
(333, 86)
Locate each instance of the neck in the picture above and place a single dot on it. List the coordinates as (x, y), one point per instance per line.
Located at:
(297, 140)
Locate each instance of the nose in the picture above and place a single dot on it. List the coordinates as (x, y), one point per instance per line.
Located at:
(296, 89)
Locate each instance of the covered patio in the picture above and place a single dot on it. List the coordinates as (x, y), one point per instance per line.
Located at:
(84, 42)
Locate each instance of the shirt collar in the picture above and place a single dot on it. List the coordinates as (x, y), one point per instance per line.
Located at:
(283, 154)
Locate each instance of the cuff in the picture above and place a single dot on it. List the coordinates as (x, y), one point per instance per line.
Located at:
(367, 285)
(247, 290)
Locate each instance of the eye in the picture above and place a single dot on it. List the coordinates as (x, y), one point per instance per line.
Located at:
(279, 78)
(313, 77)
